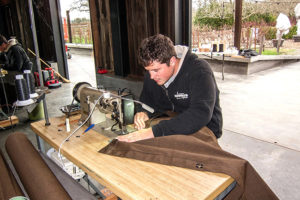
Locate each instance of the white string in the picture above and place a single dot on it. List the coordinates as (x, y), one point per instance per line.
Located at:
(136, 101)
(148, 108)
(60, 156)
(14, 109)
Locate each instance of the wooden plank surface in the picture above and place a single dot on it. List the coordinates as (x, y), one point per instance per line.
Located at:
(9, 122)
(128, 178)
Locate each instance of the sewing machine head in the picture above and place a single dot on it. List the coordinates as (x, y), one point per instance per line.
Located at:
(112, 111)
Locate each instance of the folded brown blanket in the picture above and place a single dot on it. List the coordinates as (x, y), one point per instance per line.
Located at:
(38, 180)
(199, 151)
(8, 185)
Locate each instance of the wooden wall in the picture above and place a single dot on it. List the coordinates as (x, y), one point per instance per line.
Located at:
(25, 34)
(44, 30)
(102, 38)
(17, 23)
(11, 21)
(146, 18)
(143, 19)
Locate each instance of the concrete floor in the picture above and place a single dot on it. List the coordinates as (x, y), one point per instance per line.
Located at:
(261, 119)
(261, 124)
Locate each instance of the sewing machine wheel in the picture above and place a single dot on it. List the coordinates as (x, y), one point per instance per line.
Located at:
(77, 89)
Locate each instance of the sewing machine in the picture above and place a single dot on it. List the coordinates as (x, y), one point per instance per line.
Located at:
(112, 112)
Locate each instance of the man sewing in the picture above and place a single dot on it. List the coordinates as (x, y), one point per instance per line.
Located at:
(180, 82)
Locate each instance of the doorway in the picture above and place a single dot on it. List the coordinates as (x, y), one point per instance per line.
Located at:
(78, 39)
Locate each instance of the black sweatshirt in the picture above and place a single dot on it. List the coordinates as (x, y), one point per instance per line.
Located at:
(15, 57)
(193, 94)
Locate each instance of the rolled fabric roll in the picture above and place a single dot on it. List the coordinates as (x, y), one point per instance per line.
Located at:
(8, 185)
(38, 180)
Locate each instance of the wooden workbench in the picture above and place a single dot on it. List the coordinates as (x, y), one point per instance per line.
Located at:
(9, 122)
(128, 178)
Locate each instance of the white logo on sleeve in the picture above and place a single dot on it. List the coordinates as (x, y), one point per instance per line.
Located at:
(181, 96)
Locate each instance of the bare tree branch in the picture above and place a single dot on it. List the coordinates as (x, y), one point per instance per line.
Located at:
(80, 5)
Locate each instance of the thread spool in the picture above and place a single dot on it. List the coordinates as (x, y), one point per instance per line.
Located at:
(23, 97)
(28, 76)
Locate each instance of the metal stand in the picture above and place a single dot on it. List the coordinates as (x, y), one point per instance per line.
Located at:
(223, 66)
(47, 122)
(2, 74)
(223, 62)
(85, 177)
(40, 141)
(40, 144)
(3, 116)
(36, 47)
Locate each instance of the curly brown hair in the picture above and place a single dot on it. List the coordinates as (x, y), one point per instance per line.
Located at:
(158, 48)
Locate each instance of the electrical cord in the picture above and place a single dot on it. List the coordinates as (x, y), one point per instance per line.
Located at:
(67, 138)
(5, 96)
(146, 107)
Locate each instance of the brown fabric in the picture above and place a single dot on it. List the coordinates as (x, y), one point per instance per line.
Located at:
(37, 179)
(199, 151)
(8, 185)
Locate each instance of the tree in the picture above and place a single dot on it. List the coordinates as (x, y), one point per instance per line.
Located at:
(80, 5)
(216, 13)
(213, 14)
(80, 20)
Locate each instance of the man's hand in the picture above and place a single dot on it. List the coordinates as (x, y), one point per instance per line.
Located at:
(136, 136)
(139, 120)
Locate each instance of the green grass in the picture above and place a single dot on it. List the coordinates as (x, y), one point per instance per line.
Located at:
(78, 40)
(282, 51)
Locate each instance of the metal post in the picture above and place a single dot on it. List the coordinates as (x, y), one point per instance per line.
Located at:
(4, 91)
(178, 22)
(69, 26)
(36, 49)
(223, 58)
(58, 35)
(40, 144)
(86, 178)
(238, 23)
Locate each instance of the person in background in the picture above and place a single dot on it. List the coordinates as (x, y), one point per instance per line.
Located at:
(14, 59)
(13, 56)
(177, 81)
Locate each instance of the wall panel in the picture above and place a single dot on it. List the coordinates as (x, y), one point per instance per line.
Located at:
(143, 19)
